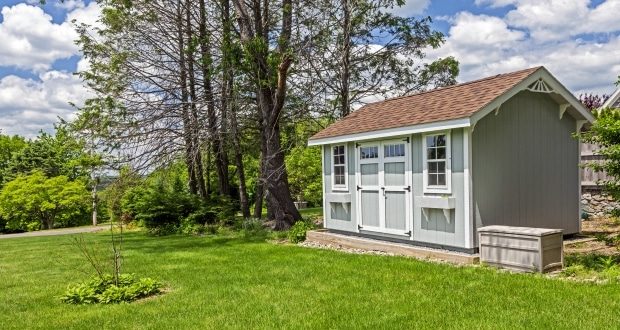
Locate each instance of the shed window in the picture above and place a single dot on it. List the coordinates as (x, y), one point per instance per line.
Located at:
(369, 152)
(340, 167)
(437, 163)
(394, 150)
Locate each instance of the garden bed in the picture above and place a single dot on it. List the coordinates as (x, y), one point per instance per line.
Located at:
(594, 255)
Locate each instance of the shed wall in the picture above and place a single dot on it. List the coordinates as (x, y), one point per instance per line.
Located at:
(435, 228)
(340, 218)
(525, 166)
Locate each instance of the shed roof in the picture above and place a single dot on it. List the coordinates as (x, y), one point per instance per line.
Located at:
(452, 102)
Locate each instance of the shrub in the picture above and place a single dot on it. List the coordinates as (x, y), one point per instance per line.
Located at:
(304, 171)
(253, 228)
(105, 290)
(297, 233)
(33, 201)
(159, 206)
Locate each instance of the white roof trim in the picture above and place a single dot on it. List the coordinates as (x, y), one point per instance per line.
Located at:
(390, 132)
(612, 99)
(550, 80)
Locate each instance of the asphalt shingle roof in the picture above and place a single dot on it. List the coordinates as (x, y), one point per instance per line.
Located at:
(453, 102)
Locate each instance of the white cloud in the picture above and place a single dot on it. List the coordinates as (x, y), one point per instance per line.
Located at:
(69, 4)
(31, 40)
(85, 14)
(28, 105)
(486, 45)
(552, 20)
(411, 7)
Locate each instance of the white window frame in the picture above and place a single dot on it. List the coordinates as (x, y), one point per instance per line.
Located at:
(447, 189)
(345, 186)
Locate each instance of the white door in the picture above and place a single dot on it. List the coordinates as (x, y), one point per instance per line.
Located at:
(383, 186)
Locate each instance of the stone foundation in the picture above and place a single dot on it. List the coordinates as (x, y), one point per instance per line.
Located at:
(597, 204)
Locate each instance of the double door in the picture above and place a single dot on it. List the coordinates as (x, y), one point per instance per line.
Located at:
(384, 186)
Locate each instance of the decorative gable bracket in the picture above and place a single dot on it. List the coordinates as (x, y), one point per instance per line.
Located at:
(563, 108)
(540, 86)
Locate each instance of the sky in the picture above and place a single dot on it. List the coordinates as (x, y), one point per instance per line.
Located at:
(577, 40)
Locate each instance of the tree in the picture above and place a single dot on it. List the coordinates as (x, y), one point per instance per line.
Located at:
(593, 101)
(361, 50)
(54, 155)
(605, 132)
(113, 194)
(304, 168)
(33, 202)
(9, 146)
(268, 67)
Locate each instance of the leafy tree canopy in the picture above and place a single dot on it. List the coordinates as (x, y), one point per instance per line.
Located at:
(33, 201)
(56, 154)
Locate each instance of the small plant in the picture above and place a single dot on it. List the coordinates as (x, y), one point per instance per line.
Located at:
(107, 290)
(585, 216)
(615, 213)
(607, 239)
(297, 233)
(607, 262)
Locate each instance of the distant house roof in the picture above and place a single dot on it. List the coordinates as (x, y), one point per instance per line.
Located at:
(449, 104)
(613, 101)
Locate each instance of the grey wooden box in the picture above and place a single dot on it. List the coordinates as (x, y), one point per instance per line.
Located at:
(521, 248)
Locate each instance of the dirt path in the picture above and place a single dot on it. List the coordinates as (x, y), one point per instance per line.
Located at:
(55, 232)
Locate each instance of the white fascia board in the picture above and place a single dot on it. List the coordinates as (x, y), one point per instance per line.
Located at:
(543, 74)
(612, 99)
(391, 132)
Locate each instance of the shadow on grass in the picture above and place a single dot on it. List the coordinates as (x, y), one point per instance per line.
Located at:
(143, 243)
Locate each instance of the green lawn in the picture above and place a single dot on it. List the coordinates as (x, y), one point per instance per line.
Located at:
(231, 282)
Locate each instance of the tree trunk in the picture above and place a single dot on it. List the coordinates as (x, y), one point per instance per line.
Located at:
(95, 200)
(194, 121)
(271, 99)
(243, 192)
(217, 140)
(260, 187)
(187, 131)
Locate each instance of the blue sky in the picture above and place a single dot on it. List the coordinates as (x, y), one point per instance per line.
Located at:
(577, 40)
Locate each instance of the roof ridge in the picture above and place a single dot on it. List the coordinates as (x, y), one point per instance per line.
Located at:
(533, 69)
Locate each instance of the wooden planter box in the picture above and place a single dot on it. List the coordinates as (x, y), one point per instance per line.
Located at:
(521, 248)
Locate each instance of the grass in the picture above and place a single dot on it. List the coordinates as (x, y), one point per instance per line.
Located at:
(232, 282)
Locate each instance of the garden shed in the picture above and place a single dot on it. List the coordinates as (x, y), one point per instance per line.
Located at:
(432, 167)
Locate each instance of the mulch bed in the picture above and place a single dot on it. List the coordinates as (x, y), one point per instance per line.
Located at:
(587, 242)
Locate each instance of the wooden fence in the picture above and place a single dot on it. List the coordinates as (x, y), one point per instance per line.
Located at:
(590, 178)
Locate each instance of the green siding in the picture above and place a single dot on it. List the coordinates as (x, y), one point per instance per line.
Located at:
(525, 166)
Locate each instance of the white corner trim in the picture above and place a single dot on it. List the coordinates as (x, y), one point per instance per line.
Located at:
(563, 108)
(393, 132)
(325, 206)
(467, 191)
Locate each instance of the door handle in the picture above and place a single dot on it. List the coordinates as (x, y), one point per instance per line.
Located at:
(408, 188)
(383, 189)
